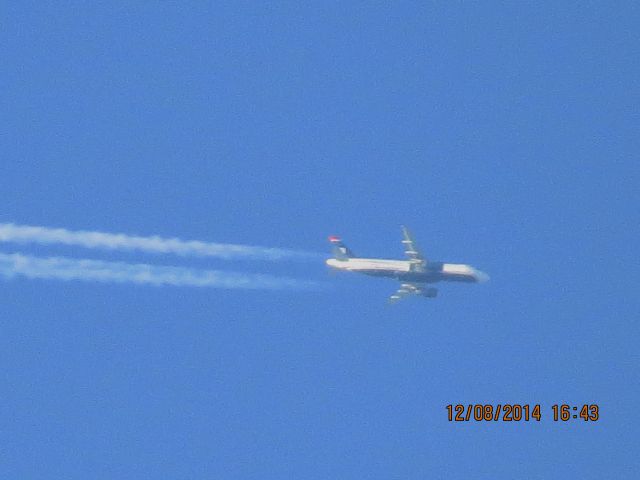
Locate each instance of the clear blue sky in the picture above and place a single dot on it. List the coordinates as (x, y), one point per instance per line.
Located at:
(504, 136)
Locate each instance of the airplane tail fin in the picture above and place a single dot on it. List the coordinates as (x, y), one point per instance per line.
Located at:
(340, 250)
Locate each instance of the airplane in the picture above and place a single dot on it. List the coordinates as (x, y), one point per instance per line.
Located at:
(413, 274)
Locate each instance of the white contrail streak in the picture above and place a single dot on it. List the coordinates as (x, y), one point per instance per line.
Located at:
(62, 268)
(10, 232)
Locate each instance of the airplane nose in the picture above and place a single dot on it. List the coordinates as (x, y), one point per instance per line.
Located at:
(481, 277)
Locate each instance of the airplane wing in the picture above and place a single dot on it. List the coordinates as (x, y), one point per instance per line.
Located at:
(412, 251)
(412, 288)
(405, 290)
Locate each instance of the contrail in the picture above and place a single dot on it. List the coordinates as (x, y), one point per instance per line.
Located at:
(62, 268)
(10, 232)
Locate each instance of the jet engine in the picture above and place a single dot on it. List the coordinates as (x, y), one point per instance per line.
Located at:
(429, 292)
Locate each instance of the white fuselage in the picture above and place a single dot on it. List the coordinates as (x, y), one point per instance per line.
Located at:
(402, 270)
